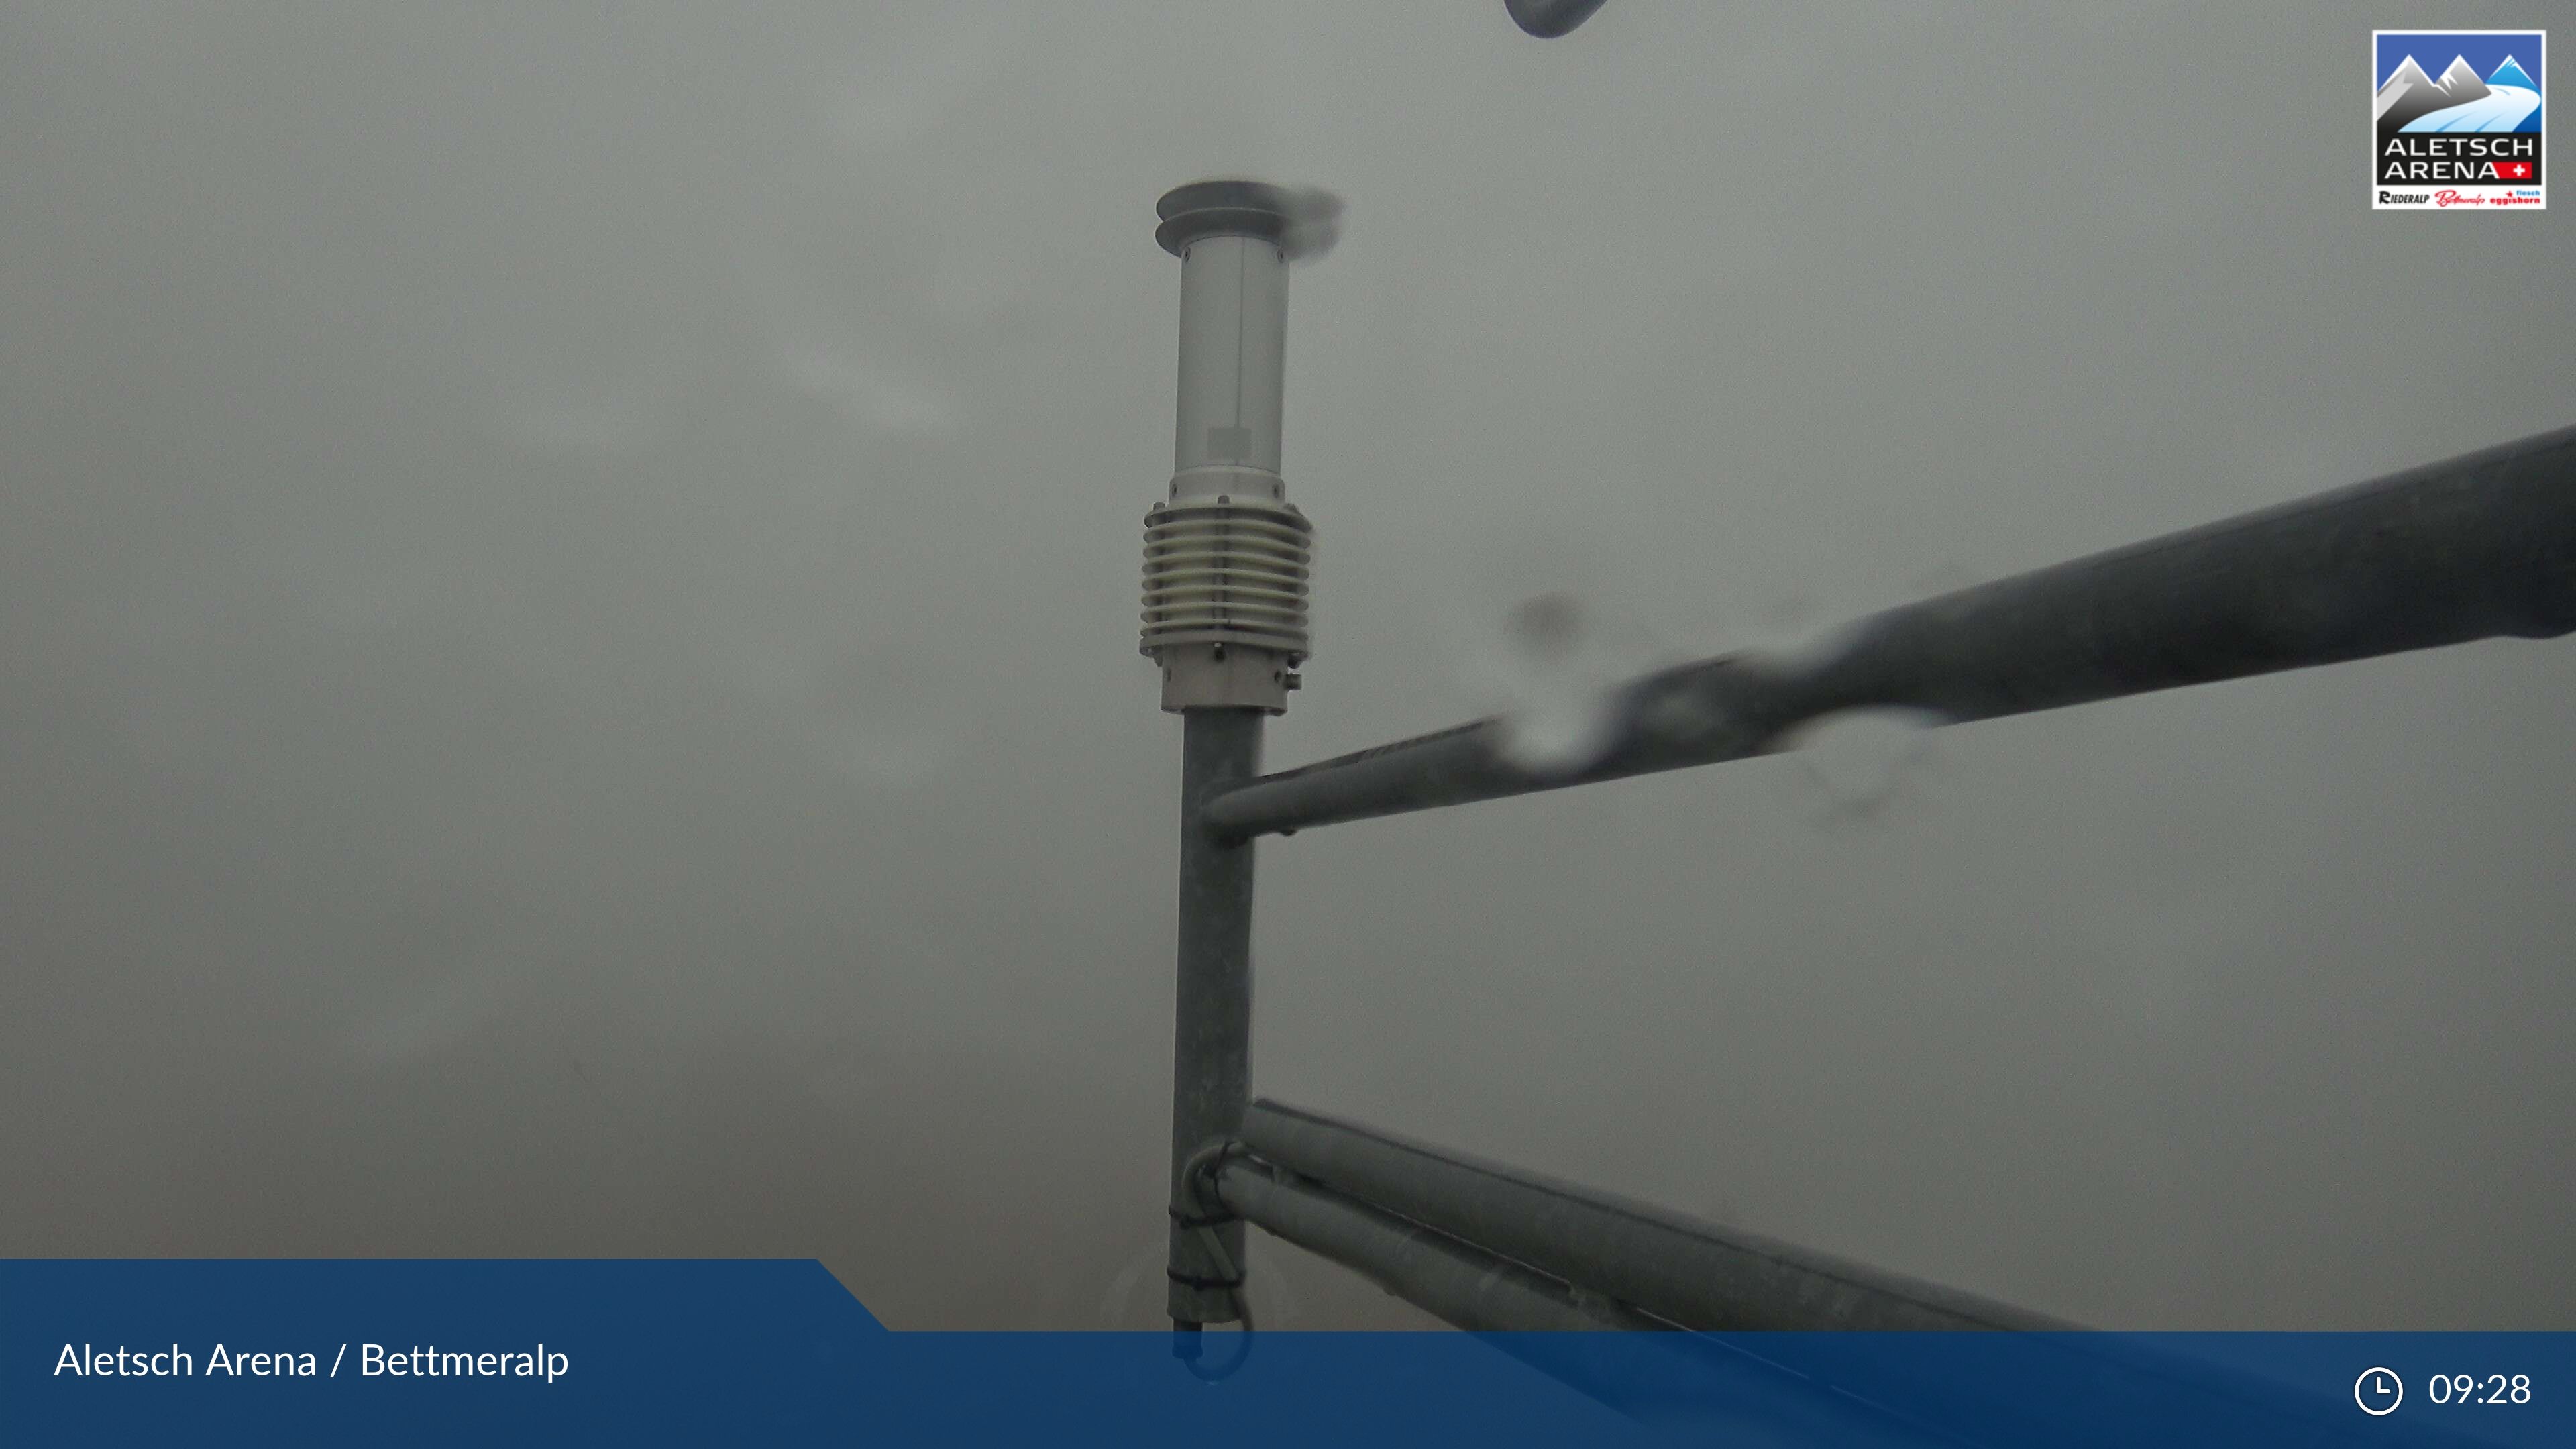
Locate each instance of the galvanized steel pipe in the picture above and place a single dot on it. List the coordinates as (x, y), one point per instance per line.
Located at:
(2474, 547)
(1453, 1281)
(1687, 1273)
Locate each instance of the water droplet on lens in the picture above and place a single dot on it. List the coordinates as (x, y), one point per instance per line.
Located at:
(1861, 763)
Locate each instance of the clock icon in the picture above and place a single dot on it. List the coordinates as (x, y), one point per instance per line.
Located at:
(2378, 1391)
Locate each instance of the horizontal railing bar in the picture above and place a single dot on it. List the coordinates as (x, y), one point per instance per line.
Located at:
(2473, 547)
(1688, 1273)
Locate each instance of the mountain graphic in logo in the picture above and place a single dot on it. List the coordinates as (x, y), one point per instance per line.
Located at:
(2410, 100)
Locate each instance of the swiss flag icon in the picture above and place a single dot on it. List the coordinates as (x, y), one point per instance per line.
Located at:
(2514, 170)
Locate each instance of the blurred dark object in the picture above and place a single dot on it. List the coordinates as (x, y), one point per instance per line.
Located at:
(1548, 19)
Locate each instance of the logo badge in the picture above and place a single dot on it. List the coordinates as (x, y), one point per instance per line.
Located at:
(2457, 120)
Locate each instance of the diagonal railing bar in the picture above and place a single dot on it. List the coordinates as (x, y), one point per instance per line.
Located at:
(2473, 547)
(1552, 1325)
(1688, 1273)
(1500, 1249)
(1444, 1276)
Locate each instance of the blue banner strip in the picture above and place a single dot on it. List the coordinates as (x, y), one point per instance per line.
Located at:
(732, 1352)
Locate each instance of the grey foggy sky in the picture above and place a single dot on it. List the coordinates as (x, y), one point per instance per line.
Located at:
(570, 590)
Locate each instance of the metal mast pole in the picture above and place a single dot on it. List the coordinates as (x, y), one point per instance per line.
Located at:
(1212, 1005)
(1225, 618)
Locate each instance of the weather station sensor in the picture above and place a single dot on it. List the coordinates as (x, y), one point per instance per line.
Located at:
(1226, 555)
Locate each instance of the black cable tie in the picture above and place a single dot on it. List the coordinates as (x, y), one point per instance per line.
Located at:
(1193, 1280)
(1188, 1220)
